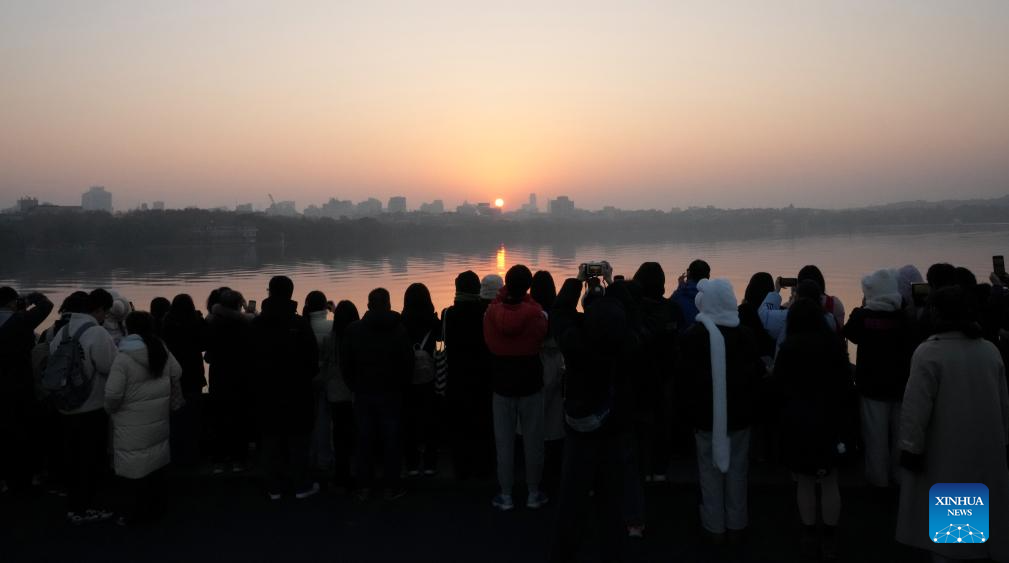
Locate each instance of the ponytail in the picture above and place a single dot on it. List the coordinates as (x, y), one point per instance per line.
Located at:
(141, 323)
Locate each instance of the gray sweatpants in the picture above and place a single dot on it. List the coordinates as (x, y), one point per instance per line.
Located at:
(508, 412)
(723, 496)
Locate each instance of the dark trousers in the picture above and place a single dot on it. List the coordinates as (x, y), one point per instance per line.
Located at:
(86, 442)
(16, 455)
(553, 460)
(342, 415)
(143, 499)
(473, 448)
(187, 431)
(378, 417)
(420, 427)
(231, 424)
(285, 460)
(591, 463)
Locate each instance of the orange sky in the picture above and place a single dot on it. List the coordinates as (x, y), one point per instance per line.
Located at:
(635, 104)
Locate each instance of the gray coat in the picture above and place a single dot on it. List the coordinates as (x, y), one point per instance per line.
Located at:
(956, 414)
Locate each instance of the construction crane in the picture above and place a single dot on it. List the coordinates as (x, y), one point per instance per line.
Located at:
(273, 203)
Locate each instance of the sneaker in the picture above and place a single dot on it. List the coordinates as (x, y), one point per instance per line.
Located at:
(536, 500)
(308, 492)
(503, 503)
(636, 531)
(430, 472)
(394, 493)
(89, 516)
(275, 496)
(122, 522)
(363, 494)
(413, 473)
(218, 469)
(237, 468)
(659, 478)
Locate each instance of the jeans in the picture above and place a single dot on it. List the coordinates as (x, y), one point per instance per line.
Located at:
(723, 496)
(378, 417)
(285, 461)
(591, 463)
(87, 436)
(342, 416)
(509, 411)
(880, 425)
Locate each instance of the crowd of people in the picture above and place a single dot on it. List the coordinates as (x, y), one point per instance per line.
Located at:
(601, 382)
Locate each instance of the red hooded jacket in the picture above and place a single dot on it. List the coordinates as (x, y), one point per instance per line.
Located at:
(514, 333)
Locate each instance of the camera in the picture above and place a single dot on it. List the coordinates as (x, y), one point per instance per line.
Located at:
(788, 282)
(593, 269)
(919, 293)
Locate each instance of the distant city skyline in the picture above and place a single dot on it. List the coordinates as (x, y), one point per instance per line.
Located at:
(634, 104)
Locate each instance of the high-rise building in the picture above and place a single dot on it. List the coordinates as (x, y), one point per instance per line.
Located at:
(397, 204)
(530, 208)
(369, 208)
(436, 207)
(562, 206)
(240, 208)
(158, 206)
(97, 199)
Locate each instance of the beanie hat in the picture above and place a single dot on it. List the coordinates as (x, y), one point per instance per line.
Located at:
(490, 286)
(467, 282)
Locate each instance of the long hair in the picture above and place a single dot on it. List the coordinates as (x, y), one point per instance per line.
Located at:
(543, 290)
(314, 301)
(141, 323)
(183, 307)
(417, 303)
(760, 285)
(344, 314)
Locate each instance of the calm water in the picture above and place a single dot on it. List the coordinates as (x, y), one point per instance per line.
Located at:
(843, 259)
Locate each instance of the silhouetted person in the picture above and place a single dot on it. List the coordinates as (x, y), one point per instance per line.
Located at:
(19, 317)
(812, 373)
(469, 380)
(720, 371)
(159, 308)
(544, 292)
(341, 409)
(231, 357)
(598, 352)
(85, 427)
(885, 342)
(421, 404)
(316, 310)
(185, 333)
(686, 291)
(142, 390)
(954, 427)
(286, 361)
(515, 327)
(377, 362)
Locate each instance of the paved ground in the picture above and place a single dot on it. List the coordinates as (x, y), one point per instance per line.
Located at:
(227, 518)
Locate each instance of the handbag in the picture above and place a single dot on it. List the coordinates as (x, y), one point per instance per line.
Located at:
(441, 360)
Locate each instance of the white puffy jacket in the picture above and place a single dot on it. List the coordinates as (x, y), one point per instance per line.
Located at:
(139, 405)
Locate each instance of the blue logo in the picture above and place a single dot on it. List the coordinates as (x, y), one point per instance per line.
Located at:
(958, 513)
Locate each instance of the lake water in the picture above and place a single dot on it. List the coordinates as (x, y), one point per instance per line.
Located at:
(843, 260)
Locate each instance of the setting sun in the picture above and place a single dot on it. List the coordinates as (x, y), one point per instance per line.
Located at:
(498, 202)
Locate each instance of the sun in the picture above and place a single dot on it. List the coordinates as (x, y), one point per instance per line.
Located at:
(498, 202)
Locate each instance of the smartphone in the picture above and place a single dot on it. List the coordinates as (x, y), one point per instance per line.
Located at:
(251, 306)
(919, 293)
(998, 264)
(618, 277)
(787, 282)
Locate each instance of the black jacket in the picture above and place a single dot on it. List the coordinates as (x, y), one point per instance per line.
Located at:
(885, 342)
(17, 382)
(811, 372)
(286, 359)
(376, 354)
(743, 372)
(749, 318)
(229, 353)
(468, 357)
(186, 340)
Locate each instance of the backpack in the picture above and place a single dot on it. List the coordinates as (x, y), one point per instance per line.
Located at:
(63, 377)
(423, 363)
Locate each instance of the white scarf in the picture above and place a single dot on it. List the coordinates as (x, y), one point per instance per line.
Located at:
(717, 305)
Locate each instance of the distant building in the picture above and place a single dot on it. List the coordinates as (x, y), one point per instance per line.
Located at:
(27, 204)
(159, 206)
(369, 208)
(240, 208)
(397, 204)
(436, 207)
(562, 206)
(97, 199)
(143, 206)
(337, 208)
(466, 208)
(530, 208)
(282, 209)
(487, 210)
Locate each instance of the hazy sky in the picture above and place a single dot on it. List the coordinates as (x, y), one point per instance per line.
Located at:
(630, 103)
